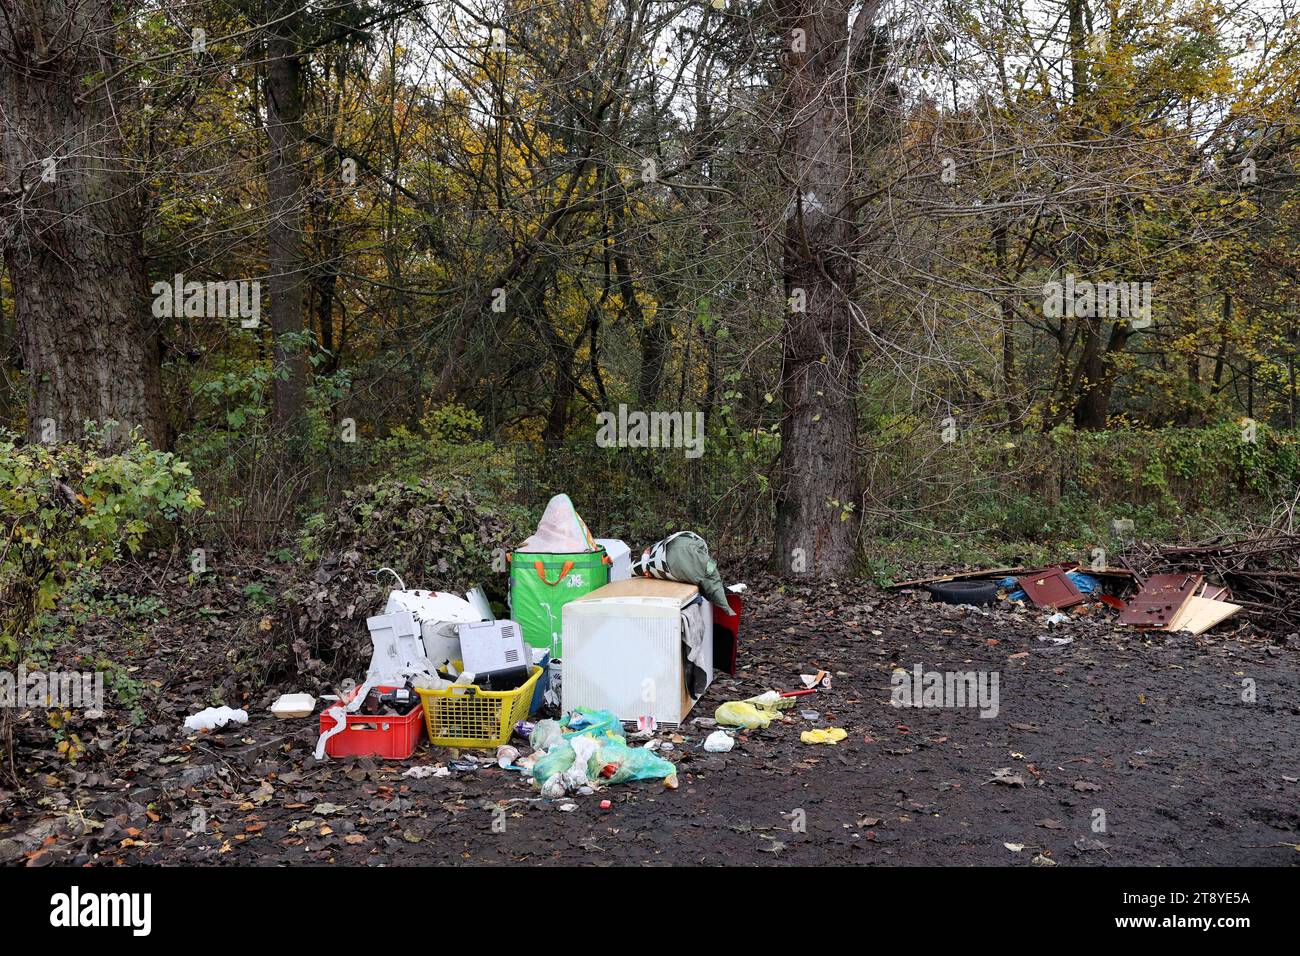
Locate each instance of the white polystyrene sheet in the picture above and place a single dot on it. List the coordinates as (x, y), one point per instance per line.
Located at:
(433, 606)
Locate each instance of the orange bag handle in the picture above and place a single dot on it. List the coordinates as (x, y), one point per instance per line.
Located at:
(541, 572)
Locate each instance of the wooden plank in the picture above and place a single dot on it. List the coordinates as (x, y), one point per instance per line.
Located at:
(960, 576)
(1215, 593)
(1200, 614)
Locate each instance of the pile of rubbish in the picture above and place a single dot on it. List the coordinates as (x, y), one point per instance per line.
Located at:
(1261, 573)
(584, 750)
(1174, 601)
(588, 631)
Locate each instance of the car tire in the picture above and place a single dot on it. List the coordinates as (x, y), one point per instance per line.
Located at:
(964, 592)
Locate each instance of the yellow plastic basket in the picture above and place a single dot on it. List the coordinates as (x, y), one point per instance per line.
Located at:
(468, 716)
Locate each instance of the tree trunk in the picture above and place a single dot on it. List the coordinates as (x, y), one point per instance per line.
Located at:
(1092, 410)
(285, 195)
(557, 416)
(655, 337)
(818, 506)
(74, 249)
(1090, 405)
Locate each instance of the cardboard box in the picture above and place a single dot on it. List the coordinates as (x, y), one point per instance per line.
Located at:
(624, 650)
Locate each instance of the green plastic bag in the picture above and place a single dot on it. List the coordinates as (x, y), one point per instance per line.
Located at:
(541, 584)
(557, 760)
(601, 724)
(623, 763)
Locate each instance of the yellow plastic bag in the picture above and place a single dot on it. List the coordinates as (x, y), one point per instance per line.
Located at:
(739, 713)
(824, 735)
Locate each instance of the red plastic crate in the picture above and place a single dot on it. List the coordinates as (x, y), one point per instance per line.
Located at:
(367, 735)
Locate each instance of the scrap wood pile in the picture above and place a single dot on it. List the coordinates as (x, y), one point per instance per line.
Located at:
(1178, 600)
(1262, 573)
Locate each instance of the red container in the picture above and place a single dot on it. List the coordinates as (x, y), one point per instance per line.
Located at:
(392, 738)
(726, 634)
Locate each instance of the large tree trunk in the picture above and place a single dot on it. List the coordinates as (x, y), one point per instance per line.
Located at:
(1090, 405)
(817, 489)
(285, 195)
(72, 227)
(1092, 410)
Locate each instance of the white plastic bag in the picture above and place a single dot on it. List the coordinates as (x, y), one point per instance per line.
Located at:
(719, 742)
(561, 530)
(215, 717)
(583, 748)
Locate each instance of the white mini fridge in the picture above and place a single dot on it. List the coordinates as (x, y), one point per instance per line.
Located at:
(626, 649)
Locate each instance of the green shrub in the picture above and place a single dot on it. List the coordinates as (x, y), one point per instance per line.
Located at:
(72, 506)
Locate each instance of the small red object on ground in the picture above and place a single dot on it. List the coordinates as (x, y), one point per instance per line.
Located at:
(605, 804)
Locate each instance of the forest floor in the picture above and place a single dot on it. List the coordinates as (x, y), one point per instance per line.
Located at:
(1151, 732)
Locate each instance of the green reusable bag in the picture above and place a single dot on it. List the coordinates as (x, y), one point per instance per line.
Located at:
(541, 584)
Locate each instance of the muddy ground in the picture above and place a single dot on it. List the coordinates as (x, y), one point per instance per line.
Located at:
(1151, 731)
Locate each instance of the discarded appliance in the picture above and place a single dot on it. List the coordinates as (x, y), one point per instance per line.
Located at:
(398, 650)
(437, 613)
(558, 563)
(401, 649)
(637, 635)
(493, 651)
